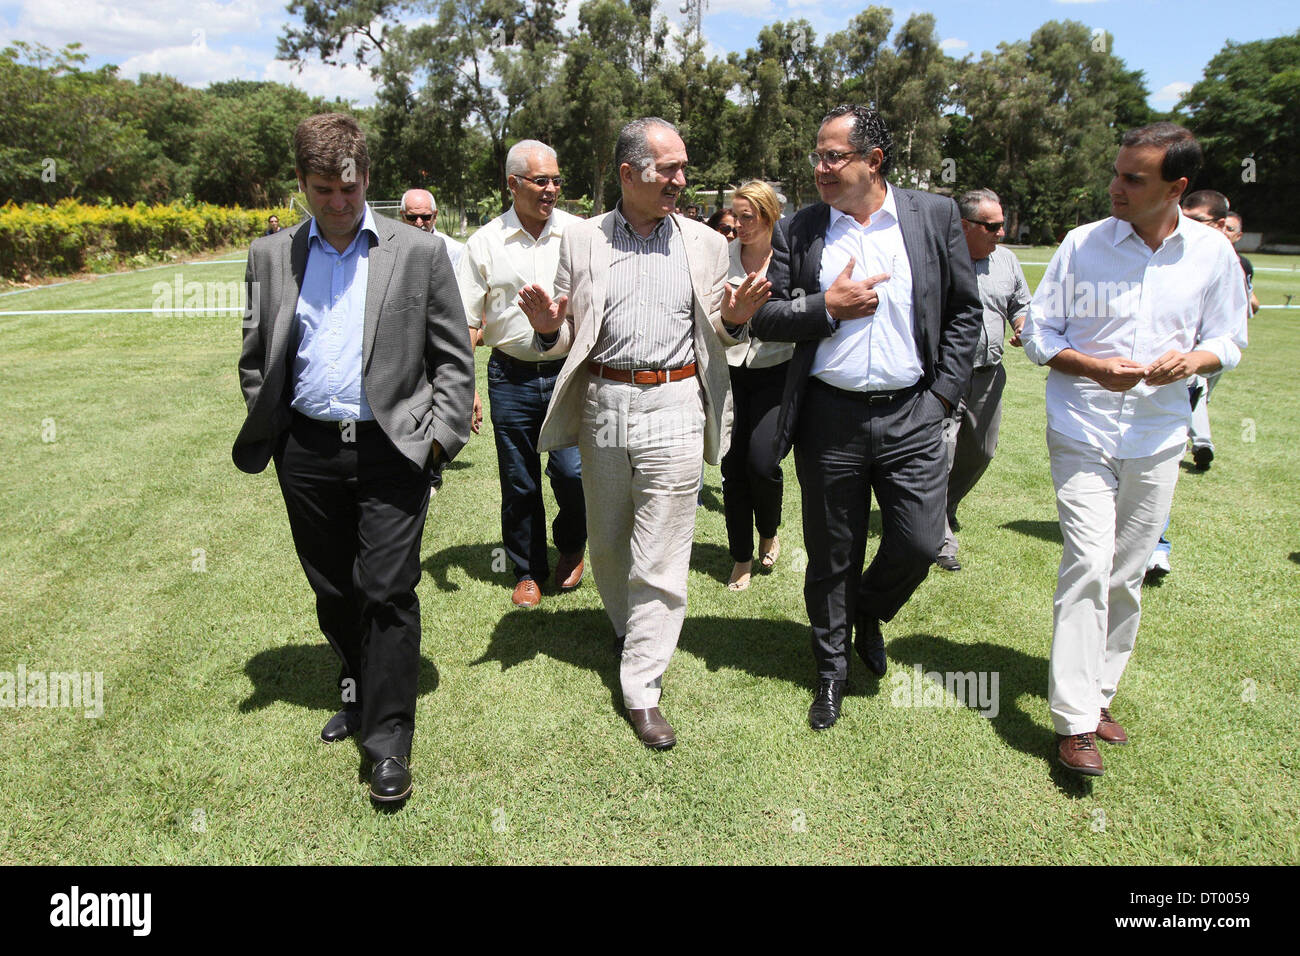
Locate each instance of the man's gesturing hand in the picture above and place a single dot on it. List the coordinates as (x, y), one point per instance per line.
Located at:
(849, 298)
(545, 314)
(1118, 374)
(740, 304)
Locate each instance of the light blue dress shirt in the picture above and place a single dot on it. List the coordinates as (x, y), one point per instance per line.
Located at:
(331, 318)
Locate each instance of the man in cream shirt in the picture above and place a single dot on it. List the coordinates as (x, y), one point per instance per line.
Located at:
(1129, 308)
(520, 248)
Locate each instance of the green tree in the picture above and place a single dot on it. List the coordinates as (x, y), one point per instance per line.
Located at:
(1243, 112)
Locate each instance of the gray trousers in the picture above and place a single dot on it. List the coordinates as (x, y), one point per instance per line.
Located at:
(641, 448)
(971, 438)
(1199, 432)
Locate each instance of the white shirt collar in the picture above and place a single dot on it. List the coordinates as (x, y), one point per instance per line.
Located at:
(1124, 229)
(889, 206)
(367, 224)
(511, 223)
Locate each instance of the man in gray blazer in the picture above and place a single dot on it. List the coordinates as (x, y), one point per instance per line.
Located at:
(641, 394)
(358, 378)
(875, 285)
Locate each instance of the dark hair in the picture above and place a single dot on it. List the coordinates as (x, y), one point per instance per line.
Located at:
(633, 144)
(970, 202)
(714, 221)
(1233, 214)
(1212, 201)
(330, 145)
(1182, 151)
(869, 132)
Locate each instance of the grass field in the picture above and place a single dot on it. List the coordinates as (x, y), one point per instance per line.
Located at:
(131, 546)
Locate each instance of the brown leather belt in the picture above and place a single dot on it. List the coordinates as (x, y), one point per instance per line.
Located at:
(641, 376)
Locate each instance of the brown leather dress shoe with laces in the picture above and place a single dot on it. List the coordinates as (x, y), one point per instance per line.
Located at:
(1109, 730)
(1079, 753)
(526, 594)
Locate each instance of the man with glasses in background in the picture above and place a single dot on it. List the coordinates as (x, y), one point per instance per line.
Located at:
(518, 249)
(875, 285)
(973, 437)
(420, 209)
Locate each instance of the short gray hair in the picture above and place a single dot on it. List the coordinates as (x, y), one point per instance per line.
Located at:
(970, 202)
(517, 158)
(634, 141)
(433, 203)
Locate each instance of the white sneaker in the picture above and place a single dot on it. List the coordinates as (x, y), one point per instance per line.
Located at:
(1158, 564)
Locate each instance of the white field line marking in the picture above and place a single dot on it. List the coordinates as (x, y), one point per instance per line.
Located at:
(187, 311)
(110, 275)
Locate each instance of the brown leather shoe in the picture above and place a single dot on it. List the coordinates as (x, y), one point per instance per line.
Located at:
(526, 594)
(1109, 729)
(568, 572)
(651, 728)
(1079, 753)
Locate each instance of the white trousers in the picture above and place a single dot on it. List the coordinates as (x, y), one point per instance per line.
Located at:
(642, 447)
(1112, 511)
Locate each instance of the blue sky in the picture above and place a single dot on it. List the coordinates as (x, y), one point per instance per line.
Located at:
(200, 41)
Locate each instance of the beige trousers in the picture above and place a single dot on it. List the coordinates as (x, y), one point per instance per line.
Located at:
(641, 448)
(1112, 511)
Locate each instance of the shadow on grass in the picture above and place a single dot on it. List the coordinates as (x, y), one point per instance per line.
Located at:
(584, 638)
(475, 560)
(1046, 530)
(1295, 556)
(712, 500)
(1019, 675)
(306, 675)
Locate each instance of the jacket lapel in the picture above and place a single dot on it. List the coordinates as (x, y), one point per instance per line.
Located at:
(293, 268)
(379, 271)
(909, 221)
(809, 272)
(601, 254)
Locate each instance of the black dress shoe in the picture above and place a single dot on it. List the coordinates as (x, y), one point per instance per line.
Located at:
(391, 780)
(825, 709)
(341, 726)
(871, 645)
(948, 562)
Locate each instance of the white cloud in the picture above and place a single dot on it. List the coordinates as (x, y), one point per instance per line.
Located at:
(750, 8)
(348, 82)
(193, 65)
(952, 43)
(124, 29)
(1170, 93)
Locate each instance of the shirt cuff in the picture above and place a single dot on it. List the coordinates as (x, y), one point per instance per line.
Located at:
(736, 331)
(549, 340)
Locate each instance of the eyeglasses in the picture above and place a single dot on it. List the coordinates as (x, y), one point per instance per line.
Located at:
(541, 182)
(992, 227)
(417, 216)
(1205, 219)
(831, 158)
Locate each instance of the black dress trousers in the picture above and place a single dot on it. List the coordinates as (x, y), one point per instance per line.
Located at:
(356, 509)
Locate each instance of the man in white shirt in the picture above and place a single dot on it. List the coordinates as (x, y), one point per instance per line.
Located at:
(521, 248)
(420, 209)
(1129, 308)
(875, 284)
